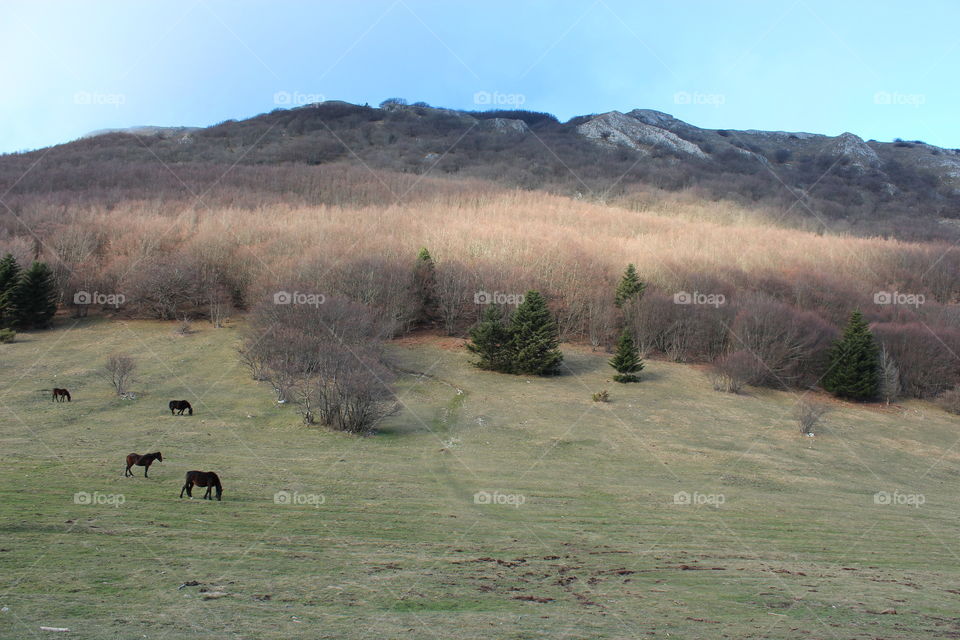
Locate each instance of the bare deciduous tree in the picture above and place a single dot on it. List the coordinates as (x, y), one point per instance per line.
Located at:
(326, 359)
(734, 370)
(890, 387)
(809, 415)
(119, 370)
(455, 289)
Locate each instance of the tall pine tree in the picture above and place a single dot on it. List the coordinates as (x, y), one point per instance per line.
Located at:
(630, 287)
(490, 342)
(32, 302)
(9, 275)
(854, 362)
(627, 360)
(534, 338)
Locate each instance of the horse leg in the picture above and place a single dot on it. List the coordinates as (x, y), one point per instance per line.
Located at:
(146, 468)
(186, 487)
(207, 495)
(127, 472)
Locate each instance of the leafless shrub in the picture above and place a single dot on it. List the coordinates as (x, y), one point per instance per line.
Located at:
(890, 387)
(808, 416)
(219, 307)
(923, 355)
(601, 396)
(682, 332)
(119, 370)
(348, 390)
(455, 288)
(730, 373)
(326, 359)
(790, 347)
(950, 400)
(184, 327)
(163, 288)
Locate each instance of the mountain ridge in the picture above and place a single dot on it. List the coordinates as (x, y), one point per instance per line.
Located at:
(837, 183)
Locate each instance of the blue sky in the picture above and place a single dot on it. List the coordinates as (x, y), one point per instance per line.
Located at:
(879, 69)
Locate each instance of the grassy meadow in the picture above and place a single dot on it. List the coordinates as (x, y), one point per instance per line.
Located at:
(487, 506)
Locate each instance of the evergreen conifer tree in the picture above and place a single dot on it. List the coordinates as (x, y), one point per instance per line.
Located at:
(534, 338)
(490, 342)
(854, 362)
(627, 360)
(630, 287)
(425, 287)
(9, 276)
(32, 301)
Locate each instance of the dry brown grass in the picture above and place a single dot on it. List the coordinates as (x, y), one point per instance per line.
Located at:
(533, 233)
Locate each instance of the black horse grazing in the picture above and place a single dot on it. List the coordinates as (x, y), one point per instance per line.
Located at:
(59, 395)
(142, 461)
(180, 406)
(206, 479)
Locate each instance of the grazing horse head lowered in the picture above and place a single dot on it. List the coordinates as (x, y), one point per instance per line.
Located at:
(142, 461)
(59, 395)
(180, 406)
(206, 479)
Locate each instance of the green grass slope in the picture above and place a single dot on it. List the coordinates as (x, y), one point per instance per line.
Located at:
(387, 537)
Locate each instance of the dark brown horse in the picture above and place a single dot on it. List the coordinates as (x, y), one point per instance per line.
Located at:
(142, 461)
(206, 479)
(59, 395)
(180, 406)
